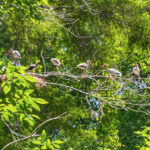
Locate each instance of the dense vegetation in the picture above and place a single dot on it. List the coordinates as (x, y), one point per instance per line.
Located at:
(58, 108)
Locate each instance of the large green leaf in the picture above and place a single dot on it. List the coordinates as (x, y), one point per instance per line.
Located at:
(6, 89)
(34, 105)
(40, 101)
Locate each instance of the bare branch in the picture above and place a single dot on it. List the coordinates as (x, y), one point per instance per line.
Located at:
(34, 131)
(58, 117)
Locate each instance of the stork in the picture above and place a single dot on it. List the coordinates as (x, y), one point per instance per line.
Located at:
(32, 67)
(56, 63)
(113, 72)
(15, 56)
(84, 66)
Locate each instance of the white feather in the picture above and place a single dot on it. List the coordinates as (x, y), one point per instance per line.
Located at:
(114, 72)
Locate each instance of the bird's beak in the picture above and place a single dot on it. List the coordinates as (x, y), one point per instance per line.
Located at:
(91, 63)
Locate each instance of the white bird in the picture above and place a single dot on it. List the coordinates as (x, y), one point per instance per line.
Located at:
(84, 66)
(136, 71)
(113, 72)
(15, 56)
(55, 62)
(15, 53)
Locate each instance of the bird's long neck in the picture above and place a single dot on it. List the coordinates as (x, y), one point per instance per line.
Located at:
(106, 67)
(36, 63)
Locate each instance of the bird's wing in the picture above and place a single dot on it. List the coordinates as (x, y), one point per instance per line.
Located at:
(83, 65)
(17, 53)
(114, 71)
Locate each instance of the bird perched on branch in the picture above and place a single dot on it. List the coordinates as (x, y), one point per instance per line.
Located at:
(32, 67)
(56, 63)
(136, 71)
(84, 66)
(113, 72)
(15, 56)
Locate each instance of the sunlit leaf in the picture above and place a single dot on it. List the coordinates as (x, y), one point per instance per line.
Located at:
(40, 101)
(6, 89)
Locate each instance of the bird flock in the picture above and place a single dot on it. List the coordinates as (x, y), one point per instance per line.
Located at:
(113, 73)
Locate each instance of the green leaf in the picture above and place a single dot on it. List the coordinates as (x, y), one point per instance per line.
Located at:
(5, 116)
(9, 113)
(43, 135)
(51, 147)
(30, 121)
(22, 116)
(40, 101)
(36, 142)
(35, 116)
(3, 84)
(56, 145)
(58, 142)
(28, 92)
(34, 105)
(44, 147)
(36, 148)
(48, 142)
(6, 89)
(30, 78)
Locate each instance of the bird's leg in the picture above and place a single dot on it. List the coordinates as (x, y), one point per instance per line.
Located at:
(114, 77)
(85, 71)
(139, 78)
(82, 74)
(111, 77)
(58, 69)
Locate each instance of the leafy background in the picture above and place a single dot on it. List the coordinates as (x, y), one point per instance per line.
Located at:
(115, 32)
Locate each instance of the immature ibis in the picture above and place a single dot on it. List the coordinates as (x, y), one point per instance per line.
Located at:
(113, 72)
(15, 56)
(56, 63)
(32, 67)
(84, 66)
(136, 71)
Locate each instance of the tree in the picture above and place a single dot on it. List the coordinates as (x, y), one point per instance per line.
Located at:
(99, 111)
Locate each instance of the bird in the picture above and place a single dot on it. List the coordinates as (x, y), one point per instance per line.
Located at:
(32, 67)
(84, 66)
(56, 63)
(113, 72)
(15, 56)
(136, 71)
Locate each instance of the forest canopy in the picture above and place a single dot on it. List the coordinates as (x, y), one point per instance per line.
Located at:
(74, 75)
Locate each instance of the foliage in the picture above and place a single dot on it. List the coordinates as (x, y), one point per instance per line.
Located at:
(101, 113)
(145, 144)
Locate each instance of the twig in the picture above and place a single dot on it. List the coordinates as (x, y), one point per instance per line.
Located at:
(15, 141)
(58, 117)
(43, 61)
(34, 131)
